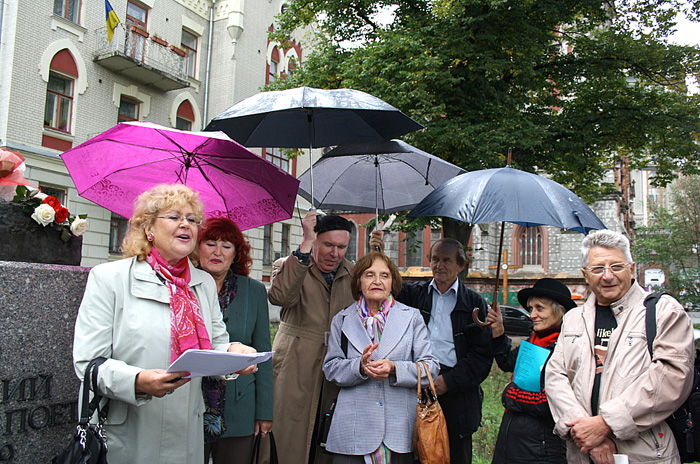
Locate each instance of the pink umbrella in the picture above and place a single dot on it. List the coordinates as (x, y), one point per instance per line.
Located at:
(113, 168)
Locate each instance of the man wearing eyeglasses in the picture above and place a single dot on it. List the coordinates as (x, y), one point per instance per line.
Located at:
(606, 393)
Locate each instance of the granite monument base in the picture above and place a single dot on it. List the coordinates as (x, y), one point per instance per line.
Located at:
(38, 387)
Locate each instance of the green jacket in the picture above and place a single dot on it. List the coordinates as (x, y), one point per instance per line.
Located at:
(249, 397)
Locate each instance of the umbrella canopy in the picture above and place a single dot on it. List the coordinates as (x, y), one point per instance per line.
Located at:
(113, 168)
(507, 194)
(379, 177)
(305, 117)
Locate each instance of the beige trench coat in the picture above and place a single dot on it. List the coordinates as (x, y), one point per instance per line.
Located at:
(307, 308)
(636, 394)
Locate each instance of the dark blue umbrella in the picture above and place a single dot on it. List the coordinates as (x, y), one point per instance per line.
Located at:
(507, 194)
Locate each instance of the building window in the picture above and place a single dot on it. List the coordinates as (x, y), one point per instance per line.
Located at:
(189, 44)
(276, 157)
(267, 245)
(117, 231)
(351, 254)
(272, 74)
(55, 192)
(531, 251)
(128, 110)
(185, 116)
(284, 243)
(136, 15)
(414, 249)
(59, 102)
(68, 9)
(136, 18)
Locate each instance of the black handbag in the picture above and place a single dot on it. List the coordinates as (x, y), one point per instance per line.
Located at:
(257, 456)
(88, 445)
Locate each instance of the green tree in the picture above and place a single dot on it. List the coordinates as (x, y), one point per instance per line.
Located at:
(672, 241)
(569, 84)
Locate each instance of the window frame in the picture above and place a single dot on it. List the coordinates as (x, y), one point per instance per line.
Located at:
(191, 57)
(121, 226)
(64, 7)
(59, 102)
(267, 245)
(121, 117)
(276, 157)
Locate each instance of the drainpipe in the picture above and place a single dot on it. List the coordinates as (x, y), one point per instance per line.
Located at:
(206, 78)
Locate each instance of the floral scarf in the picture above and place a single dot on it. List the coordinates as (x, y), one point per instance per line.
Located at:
(374, 324)
(214, 388)
(187, 329)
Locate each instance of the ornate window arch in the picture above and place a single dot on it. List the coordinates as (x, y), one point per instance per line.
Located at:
(530, 246)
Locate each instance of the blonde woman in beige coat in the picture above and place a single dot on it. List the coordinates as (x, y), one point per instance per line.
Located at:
(636, 393)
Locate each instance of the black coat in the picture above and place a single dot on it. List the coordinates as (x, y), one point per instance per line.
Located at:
(527, 428)
(472, 348)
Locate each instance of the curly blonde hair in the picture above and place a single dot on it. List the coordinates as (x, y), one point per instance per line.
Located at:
(146, 208)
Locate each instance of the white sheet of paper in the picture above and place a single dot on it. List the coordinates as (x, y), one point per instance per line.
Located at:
(203, 363)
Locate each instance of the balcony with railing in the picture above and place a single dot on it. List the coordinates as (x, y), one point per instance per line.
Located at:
(141, 57)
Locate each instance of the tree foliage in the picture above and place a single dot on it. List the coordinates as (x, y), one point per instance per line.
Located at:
(568, 84)
(672, 242)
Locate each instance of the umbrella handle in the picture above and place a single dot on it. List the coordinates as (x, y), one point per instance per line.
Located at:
(475, 316)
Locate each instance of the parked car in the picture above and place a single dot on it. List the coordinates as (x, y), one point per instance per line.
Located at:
(516, 320)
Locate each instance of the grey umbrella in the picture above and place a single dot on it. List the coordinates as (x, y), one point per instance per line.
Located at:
(308, 117)
(379, 177)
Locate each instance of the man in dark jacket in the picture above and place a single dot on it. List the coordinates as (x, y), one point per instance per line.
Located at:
(462, 347)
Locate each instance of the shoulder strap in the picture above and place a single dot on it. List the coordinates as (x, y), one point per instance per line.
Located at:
(344, 343)
(650, 304)
(90, 383)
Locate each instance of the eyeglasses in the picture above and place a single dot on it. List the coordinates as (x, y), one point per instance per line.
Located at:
(615, 268)
(177, 218)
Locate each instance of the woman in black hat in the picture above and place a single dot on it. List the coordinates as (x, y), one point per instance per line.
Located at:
(526, 433)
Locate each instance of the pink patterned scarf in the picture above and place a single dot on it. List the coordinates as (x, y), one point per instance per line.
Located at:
(187, 329)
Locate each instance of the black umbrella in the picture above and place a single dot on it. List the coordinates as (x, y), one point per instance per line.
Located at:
(379, 177)
(307, 117)
(507, 194)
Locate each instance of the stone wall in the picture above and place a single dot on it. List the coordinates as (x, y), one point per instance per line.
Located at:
(38, 387)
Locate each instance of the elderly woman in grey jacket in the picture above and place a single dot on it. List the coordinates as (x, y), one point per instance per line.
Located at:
(373, 348)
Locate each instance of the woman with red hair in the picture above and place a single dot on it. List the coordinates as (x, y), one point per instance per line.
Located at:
(236, 410)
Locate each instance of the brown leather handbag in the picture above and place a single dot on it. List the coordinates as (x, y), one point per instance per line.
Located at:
(430, 440)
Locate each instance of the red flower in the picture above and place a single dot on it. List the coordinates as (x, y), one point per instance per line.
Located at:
(61, 214)
(54, 203)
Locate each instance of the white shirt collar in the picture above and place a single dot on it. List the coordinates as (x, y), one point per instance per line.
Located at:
(454, 286)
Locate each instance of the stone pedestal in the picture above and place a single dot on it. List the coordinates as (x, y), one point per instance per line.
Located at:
(25, 240)
(38, 387)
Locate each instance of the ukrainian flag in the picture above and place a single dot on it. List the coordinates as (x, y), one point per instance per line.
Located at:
(112, 20)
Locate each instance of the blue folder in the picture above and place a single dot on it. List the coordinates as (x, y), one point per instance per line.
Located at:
(528, 366)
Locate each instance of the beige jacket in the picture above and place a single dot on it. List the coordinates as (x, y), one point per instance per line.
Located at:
(308, 306)
(636, 393)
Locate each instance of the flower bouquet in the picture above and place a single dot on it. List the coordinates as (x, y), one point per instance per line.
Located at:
(47, 210)
(40, 229)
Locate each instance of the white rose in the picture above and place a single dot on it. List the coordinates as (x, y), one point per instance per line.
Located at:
(44, 214)
(79, 226)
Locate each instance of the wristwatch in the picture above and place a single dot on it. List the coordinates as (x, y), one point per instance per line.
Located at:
(303, 258)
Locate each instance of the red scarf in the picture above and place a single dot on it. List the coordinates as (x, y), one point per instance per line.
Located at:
(187, 329)
(545, 337)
